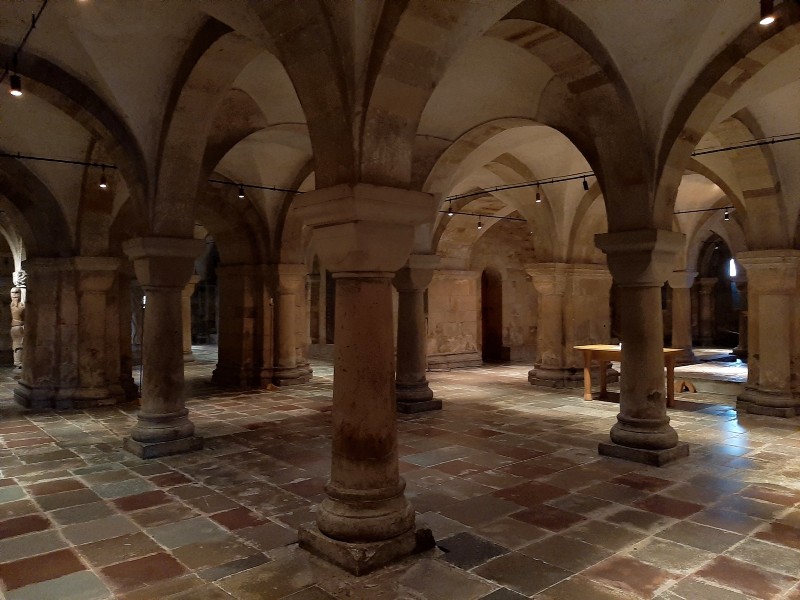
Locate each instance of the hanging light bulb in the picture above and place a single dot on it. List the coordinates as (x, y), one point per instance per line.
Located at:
(767, 10)
(585, 185)
(103, 181)
(241, 191)
(727, 216)
(16, 85)
(480, 225)
(450, 208)
(538, 193)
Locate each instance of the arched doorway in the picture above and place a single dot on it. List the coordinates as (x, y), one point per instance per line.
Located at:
(491, 316)
(719, 300)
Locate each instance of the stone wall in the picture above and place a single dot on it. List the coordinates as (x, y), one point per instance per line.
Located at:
(453, 319)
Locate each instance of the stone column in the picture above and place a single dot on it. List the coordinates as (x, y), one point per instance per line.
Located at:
(186, 305)
(289, 281)
(125, 314)
(681, 284)
(640, 262)
(302, 299)
(163, 266)
(707, 317)
(314, 306)
(6, 353)
(137, 321)
(411, 386)
(364, 234)
(95, 276)
(772, 277)
(244, 312)
(550, 281)
(50, 353)
(740, 351)
(573, 309)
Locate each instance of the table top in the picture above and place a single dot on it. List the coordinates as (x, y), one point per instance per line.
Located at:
(618, 348)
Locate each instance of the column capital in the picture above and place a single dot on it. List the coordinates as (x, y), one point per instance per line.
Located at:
(548, 278)
(417, 273)
(163, 261)
(287, 278)
(364, 227)
(681, 279)
(771, 271)
(707, 284)
(96, 273)
(643, 257)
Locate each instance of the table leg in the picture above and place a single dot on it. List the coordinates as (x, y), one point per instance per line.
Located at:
(670, 360)
(587, 374)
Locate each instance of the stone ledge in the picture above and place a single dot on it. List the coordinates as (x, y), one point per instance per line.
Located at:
(362, 558)
(158, 449)
(656, 458)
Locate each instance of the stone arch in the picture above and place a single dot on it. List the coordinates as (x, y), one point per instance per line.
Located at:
(76, 99)
(36, 214)
(587, 221)
(751, 51)
(214, 58)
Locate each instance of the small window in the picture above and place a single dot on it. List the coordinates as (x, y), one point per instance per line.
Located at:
(732, 268)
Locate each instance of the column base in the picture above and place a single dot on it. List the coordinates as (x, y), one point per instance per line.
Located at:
(771, 404)
(364, 557)
(686, 357)
(290, 376)
(129, 387)
(189, 357)
(167, 448)
(35, 398)
(237, 376)
(454, 360)
(566, 378)
(656, 458)
(415, 397)
(740, 353)
(417, 406)
(89, 397)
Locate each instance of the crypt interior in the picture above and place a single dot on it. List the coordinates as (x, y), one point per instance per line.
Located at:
(290, 293)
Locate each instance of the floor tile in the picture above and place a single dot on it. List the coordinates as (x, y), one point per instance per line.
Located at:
(27, 571)
(131, 574)
(465, 550)
(745, 578)
(521, 573)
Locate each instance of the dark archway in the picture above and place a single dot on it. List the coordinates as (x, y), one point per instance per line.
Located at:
(719, 301)
(492, 317)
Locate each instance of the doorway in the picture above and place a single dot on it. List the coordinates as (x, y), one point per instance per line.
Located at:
(492, 316)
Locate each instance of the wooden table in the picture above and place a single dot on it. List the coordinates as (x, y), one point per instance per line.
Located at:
(605, 354)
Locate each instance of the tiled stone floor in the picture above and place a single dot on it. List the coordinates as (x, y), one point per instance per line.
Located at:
(507, 476)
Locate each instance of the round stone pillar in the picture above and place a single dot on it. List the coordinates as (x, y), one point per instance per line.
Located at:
(681, 284)
(363, 234)
(549, 279)
(707, 316)
(411, 387)
(163, 267)
(774, 334)
(640, 262)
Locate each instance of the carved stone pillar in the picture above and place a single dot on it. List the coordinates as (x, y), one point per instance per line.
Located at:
(707, 316)
(740, 351)
(163, 266)
(640, 262)
(573, 309)
(186, 310)
(774, 334)
(95, 276)
(363, 234)
(681, 284)
(411, 386)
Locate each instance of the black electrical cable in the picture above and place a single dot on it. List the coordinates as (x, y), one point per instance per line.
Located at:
(21, 45)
